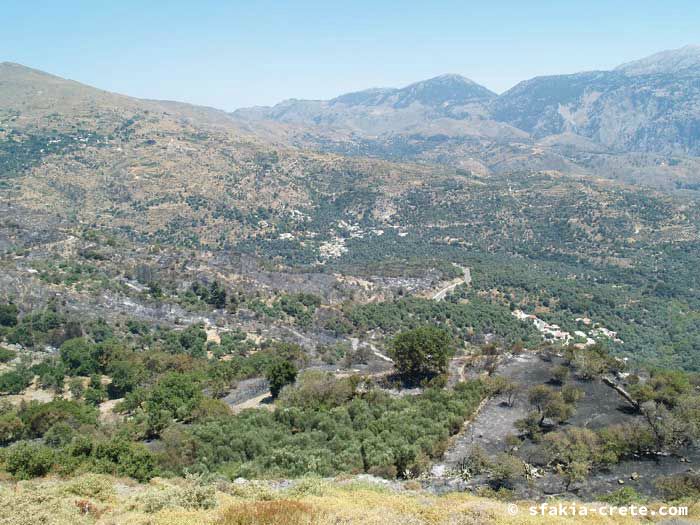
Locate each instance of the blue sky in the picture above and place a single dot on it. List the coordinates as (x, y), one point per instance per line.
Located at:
(231, 54)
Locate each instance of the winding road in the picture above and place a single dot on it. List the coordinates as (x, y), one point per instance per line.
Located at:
(466, 279)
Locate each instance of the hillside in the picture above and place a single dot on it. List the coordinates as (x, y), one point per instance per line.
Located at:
(631, 109)
(186, 178)
(146, 167)
(182, 295)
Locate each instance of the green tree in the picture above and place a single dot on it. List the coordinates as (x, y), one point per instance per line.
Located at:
(422, 352)
(7, 355)
(505, 471)
(15, 381)
(175, 396)
(8, 314)
(280, 374)
(217, 295)
(550, 404)
(11, 426)
(192, 339)
(503, 386)
(96, 392)
(78, 356)
(120, 457)
(125, 377)
(574, 472)
(39, 417)
(76, 387)
(59, 434)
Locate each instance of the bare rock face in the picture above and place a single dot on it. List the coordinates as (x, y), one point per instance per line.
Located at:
(652, 104)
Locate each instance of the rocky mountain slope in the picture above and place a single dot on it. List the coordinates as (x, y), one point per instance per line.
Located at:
(652, 105)
(639, 122)
(378, 110)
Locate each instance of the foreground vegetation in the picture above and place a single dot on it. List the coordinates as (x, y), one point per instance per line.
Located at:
(166, 385)
(102, 500)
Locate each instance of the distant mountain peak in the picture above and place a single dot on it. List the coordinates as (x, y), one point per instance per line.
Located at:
(684, 59)
(446, 78)
(444, 90)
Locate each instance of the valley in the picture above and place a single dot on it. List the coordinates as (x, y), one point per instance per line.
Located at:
(427, 290)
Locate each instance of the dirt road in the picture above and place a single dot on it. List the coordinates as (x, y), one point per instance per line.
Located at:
(465, 279)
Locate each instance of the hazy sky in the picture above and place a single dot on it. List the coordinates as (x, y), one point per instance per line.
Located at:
(230, 54)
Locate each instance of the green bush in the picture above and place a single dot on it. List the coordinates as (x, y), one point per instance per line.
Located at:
(15, 381)
(11, 426)
(318, 390)
(505, 470)
(622, 497)
(175, 396)
(123, 458)
(28, 460)
(680, 487)
(79, 357)
(39, 417)
(6, 354)
(368, 432)
(8, 314)
(59, 434)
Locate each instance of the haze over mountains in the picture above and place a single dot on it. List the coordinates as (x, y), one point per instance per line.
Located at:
(625, 123)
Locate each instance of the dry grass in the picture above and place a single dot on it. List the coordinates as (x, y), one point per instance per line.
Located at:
(280, 512)
(102, 500)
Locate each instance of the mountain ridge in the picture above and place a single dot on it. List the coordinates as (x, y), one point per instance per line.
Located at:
(672, 60)
(641, 116)
(631, 127)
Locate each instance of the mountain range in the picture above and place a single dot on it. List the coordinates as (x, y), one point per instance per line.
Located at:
(639, 122)
(70, 151)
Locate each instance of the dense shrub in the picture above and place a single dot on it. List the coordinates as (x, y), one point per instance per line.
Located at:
(6, 354)
(39, 417)
(623, 497)
(505, 470)
(15, 381)
(79, 357)
(175, 396)
(318, 390)
(680, 487)
(11, 426)
(368, 432)
(8, 314)
(123, 458)
(28, 460)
